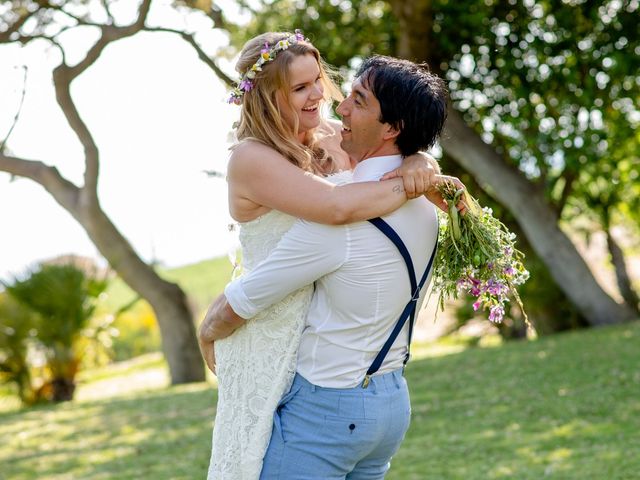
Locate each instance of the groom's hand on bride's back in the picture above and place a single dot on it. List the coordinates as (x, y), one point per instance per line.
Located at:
(219, 322)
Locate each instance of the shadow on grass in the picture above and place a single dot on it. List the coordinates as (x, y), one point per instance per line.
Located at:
(166, 434)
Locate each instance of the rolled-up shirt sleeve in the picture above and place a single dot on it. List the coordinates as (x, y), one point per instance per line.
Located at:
(305, 253)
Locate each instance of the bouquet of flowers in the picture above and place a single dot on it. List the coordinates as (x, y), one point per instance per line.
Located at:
(477, 256)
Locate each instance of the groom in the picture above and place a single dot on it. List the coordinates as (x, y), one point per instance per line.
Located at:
(348, 408)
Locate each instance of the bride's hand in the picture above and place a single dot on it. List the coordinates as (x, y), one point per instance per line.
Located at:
(418, 173)
(421, 175)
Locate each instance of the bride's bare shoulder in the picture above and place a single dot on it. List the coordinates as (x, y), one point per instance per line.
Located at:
(247, 149)
(251, 154)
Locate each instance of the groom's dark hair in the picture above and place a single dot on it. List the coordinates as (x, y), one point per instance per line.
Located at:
(412, 99)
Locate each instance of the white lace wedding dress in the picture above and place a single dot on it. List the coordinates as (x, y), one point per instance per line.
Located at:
(255, 366)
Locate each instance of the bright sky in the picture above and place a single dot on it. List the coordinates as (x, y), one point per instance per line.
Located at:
(159, 118)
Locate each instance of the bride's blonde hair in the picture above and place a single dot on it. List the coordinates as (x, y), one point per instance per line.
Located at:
(261, 119)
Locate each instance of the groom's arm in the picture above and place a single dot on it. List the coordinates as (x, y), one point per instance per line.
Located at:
(305, 253)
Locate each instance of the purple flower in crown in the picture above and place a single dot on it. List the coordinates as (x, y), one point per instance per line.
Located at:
(246, 85)
(235, 100)
(235, 97)
(299, 35)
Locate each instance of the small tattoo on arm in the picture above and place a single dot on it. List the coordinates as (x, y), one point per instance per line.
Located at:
(398, 189)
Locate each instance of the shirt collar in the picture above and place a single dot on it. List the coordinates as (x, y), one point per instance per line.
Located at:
(372, 169)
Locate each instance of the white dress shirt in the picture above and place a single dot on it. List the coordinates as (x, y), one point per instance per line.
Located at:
(361, 285)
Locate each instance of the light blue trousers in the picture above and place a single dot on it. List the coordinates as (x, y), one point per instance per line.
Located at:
(330, 433)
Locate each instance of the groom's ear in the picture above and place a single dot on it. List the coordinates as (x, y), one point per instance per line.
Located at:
(390, 132)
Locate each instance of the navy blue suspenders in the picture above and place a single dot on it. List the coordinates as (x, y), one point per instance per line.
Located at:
(409, 311)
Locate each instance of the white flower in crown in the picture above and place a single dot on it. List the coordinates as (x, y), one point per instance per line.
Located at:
(283, 44)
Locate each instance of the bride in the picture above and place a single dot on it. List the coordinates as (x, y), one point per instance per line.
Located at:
(287, 164)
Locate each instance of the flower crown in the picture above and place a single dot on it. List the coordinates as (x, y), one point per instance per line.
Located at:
(267, 54)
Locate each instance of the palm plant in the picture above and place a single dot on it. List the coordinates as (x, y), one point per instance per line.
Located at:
(65, 299)
(16, 332)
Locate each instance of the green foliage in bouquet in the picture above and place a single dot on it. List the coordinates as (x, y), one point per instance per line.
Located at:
(477, 256)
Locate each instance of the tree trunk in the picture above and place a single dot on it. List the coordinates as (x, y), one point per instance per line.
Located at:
(537, 218)
(179, 343)
(416, 22)
(622, 276)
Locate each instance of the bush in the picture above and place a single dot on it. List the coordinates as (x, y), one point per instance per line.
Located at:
(138, 332)
(61, 300)
(16, 332)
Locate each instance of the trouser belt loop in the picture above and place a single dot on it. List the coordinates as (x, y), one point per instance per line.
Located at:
(396, 381)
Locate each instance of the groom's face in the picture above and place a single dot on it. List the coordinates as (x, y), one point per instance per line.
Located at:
(362, 133)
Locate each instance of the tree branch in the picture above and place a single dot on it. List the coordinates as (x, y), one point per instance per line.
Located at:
(489, 168)
(201, 53)
(62, 84)
(107, 8)
(64, 192)
(15, 119)
(217, 16)
(109, 34)
(63, 75)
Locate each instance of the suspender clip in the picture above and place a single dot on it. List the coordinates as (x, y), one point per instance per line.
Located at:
(367, 379)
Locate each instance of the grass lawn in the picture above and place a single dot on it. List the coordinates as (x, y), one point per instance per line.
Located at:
(563, 407)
